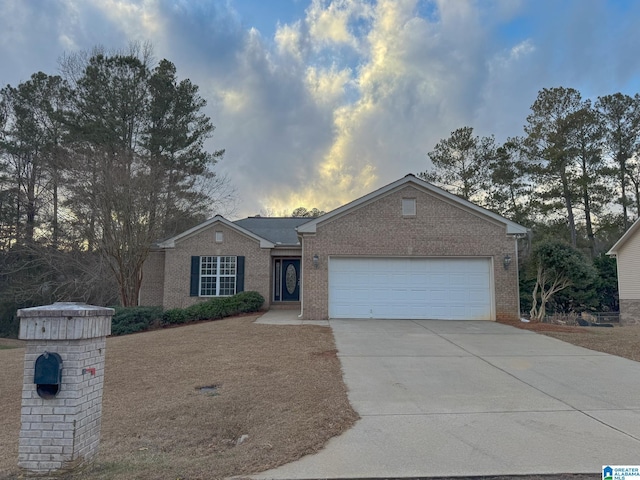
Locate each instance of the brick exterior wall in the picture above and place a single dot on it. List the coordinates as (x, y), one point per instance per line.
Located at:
(52, 429)
(177, 266)
(61, 433)
(152, 288)
(440, 228)
(629, 312)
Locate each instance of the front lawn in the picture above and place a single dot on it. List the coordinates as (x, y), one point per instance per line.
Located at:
(279, 388)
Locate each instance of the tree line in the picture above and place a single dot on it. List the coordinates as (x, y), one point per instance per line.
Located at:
(573, 178)
(96, 164)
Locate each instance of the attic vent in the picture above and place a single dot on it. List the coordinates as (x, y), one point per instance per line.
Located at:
(408, 207)
(219, 237)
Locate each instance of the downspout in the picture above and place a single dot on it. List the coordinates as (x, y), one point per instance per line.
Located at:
(517, 262)
(301, 277)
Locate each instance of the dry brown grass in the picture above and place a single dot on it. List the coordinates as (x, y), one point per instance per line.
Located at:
(280, 385)
(620, 341)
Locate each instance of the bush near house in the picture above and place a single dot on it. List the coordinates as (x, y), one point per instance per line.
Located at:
(137, 319)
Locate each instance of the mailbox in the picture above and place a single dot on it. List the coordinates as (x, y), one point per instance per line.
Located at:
(48, 374)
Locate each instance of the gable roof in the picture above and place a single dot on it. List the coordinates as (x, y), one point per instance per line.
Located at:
(410, 179)
(170, 242)
(624, 238)
(280, 231)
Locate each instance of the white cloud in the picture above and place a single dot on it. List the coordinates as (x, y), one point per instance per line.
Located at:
(289, 40)
(354, 94)
(327, 86)
(330, 24)
(413, 85)
(139, 20)
(521, 50)
(333, 22)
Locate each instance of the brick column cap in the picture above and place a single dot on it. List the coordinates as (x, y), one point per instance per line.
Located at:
(66, 309)
(64, 321)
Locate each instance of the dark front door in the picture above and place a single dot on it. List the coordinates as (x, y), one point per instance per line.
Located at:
(290, 286)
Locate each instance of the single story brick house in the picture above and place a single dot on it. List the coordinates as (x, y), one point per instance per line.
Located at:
(407, 250)
(627, 253)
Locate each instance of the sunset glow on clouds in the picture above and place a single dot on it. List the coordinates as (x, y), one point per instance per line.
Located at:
(319, 102)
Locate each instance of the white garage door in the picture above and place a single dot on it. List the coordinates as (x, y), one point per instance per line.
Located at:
(433, 288)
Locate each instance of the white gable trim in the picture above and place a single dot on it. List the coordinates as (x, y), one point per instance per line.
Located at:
(171, 242)
(512, 227)
(627, 235)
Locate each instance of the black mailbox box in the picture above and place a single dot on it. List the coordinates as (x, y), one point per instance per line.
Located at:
(48, 374)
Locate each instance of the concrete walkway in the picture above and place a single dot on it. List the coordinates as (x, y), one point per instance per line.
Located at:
(444, 398)
(287, 317)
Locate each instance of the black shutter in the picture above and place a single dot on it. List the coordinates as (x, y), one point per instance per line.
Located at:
(195, 277)
(239, 274)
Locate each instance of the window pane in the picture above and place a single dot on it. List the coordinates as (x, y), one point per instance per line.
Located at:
(208, 286)
(208, 265)
(227, 285)
(227, 265)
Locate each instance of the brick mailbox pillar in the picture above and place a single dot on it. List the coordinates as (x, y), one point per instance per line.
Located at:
(61, 415)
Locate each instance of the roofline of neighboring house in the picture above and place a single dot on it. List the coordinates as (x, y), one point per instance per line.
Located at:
(171, 242)
(512, 227)
(623, 239)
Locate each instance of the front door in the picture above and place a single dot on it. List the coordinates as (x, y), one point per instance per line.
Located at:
(290, 280)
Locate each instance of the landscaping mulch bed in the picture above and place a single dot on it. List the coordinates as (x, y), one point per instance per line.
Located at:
(278, 388)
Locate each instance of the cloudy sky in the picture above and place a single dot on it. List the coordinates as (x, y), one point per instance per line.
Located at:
(318, 102)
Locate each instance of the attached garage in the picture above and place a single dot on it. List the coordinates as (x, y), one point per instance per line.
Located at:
(411, 288)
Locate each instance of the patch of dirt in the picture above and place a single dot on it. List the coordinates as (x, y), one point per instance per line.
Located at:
(280, 385)
(623, 341)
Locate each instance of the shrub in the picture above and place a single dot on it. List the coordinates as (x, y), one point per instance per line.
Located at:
(137, 319)
(134, 319)
(216, 308)
(9, 321)
(175, 316)
(249, 302)
(195, 312)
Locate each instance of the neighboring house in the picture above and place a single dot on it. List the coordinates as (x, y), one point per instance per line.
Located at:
(406, 250)
(627, 253)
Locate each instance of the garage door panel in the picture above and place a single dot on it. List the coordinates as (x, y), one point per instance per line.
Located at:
(477, 280)
(357, 296)
(419, 278)
(438, 293)
(353, 311)
(442, 288)
(476, 311)
(438, 279)
(476, 296)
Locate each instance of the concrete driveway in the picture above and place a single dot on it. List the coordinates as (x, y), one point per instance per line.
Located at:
(444, 398)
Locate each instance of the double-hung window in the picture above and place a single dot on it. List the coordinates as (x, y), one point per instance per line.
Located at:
(217, 276)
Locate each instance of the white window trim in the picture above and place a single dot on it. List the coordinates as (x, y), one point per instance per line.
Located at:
(218, 275)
